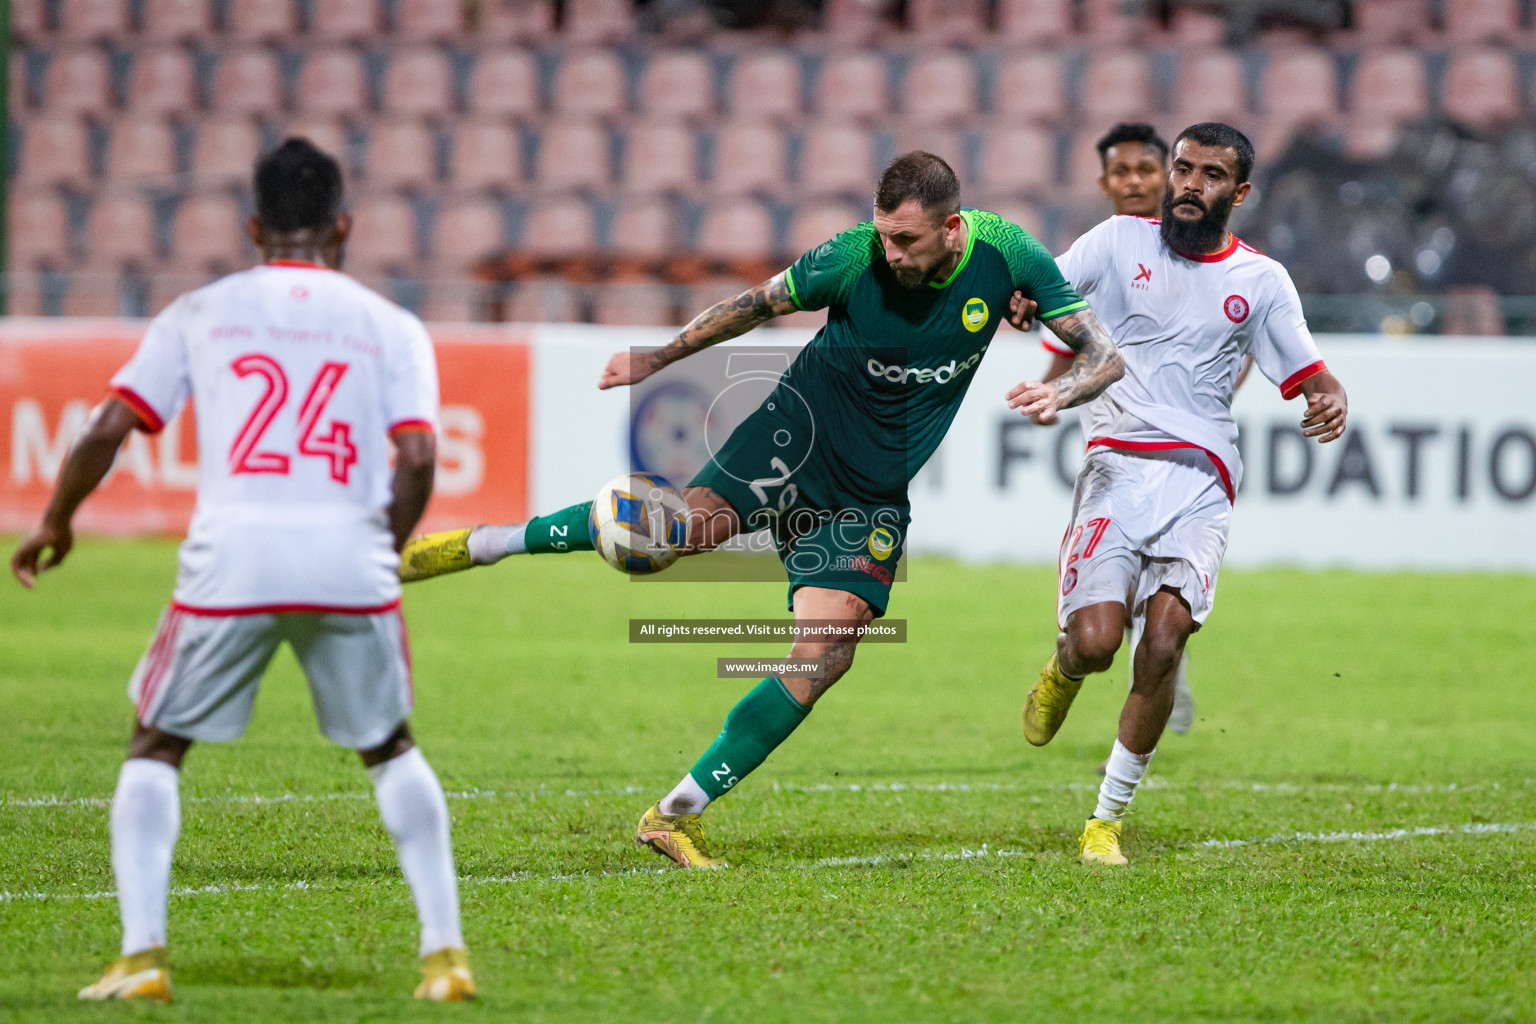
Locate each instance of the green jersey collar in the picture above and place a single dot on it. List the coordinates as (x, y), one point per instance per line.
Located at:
(970, 241)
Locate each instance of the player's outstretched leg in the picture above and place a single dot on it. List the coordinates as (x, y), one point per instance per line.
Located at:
(1088, 645)
(146, 817)
(415, 813)
(437, 554)
(1169, 625)
(758, 723)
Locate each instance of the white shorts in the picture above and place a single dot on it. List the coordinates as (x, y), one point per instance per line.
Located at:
(198, 680)
(1141, 522)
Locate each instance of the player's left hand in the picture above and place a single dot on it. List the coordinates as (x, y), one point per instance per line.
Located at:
(56, 540)
(1021, 311)
(1326, 412)
(1036, 400)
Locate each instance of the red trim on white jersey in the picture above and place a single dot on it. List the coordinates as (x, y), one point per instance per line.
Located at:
(1216, 257)
(151, 421)
(287, 609)
(301, 264)
(1163, 446)
(1292, 386)
(405, 425)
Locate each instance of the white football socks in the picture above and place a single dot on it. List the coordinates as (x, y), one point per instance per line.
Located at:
(146, 816)
(1122, 774)
(415, 812)
(687, 797)
(490, 544)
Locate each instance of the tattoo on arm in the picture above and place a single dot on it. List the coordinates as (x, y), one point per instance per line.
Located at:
(1098, 363)
(729, 319)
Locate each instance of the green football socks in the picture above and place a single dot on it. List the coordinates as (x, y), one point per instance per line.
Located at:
(565, 530)
(758, 723)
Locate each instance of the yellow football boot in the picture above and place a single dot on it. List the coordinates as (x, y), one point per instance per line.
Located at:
(679, 837)
(140, 975)
(434, 554)
(445, 977)
(1100, 843)
(1049, 703)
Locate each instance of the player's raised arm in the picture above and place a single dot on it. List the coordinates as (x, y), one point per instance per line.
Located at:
(1097, 366)
(720, 322)
(1327, 407)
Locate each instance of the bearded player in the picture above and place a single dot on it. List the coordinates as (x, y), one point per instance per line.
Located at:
(1185, 300)
(302, 378)
(915, 297)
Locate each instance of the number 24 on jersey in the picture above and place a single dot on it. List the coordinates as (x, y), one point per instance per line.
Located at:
(246, 456)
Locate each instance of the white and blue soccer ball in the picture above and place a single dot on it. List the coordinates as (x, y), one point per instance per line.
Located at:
(638, 523)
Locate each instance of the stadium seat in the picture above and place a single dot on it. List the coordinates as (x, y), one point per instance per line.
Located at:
(418, 81)
(1030, 87)
(120, 230)
(19, 99)
(177, 21)
(765, 85)
(945, 143)
(429, 20)
(1480, 21)
(464, 233)
(559, 227)
(739, 229)
(1299, 85)
(1480, 87)
(1084, 165)
(644, 229)
(853, 86)
(77, 81)
(1026, 216)
(94, 292)
(344, 21)
(505, 83)
(750, 157)
(659, 157)
(140, 151)
(590, 84)
(837, 160)
(37, 230)
(325, 132)
(1114, 22)
(485, 154)
(573, 155)
(1390, 21)
(1118, 86)
(940, 90)
(29, 21)
(634, 303)
(1389, 84)
(1196, 28)
(162, 81)
(261, 21)
(515, 21)
(224, 153)
(711, 291)
(208, 234)
(332, 82)
(599, 21)
(1017, 161)
(54, 151)
(947, 21)
(1034, 21)
(816, 223)
(401, 154)
(1209, 86)
(383, 235)
(677, 84)
(247, 81)
(544, 301)
(92, 21)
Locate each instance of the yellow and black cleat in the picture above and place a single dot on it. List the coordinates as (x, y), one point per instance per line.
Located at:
(678, 837)
(435, 554)
(1049, 703)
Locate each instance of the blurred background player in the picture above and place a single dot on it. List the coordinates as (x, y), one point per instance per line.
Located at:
(932, 282)
(300, 377)
(1185, 300)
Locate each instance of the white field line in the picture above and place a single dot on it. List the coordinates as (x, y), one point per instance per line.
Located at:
(984, 852)
(546, 793)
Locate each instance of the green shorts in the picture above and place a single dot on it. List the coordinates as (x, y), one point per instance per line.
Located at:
(775, 475)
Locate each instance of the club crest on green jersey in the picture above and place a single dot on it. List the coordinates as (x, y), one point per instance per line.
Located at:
(881, 543)
(974, 315)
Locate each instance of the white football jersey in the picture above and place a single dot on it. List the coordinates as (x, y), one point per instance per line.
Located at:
(299, 376)
(1183, 326)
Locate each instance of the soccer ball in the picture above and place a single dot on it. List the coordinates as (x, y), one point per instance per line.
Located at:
(638, 522)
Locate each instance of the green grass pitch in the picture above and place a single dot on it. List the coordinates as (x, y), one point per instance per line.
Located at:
(1346, 834)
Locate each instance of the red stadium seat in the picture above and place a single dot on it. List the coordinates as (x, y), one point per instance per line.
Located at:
(659, 157)
(1026, 216)
(54, 151)
(325, 132)
(1479, 21)
(559, 227)
(1031, 87)
(573, 156)
(332, 82)
(225, 153)
(853, 85)
(247, 81)
(1084, 165)
(177, 21)
(1390, 84)
(1034, 21)
(544, 301)
(645, 229)
(465, 233)
(1390, 21)
(37, 230)
(590, 84)
(505, 83)
(1210, 86)
(383, 236)
(90, 21)
(29, 20)
(208, 233)
(634, 303)
(837, 160)
(1017, 161)
(429, 20)
(750, 157)
(515, 21)
(947, 21)
(1117, 86)
(945, 143)
(677, 84)
(418, 81)
(599, 21)
(261, 20)
(1114, 22)
(485, 154)
(401, 155)
(816, 223)
(940, 89)
(77, 81)
(1300, 85)
(141, 151)
(1193, 28)
(737, 229)
(344, 21)
(766, 85)
(162, 81)
(120, 230)
(1481, 87)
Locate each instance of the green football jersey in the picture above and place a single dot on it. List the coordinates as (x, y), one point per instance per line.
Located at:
(884, 378)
